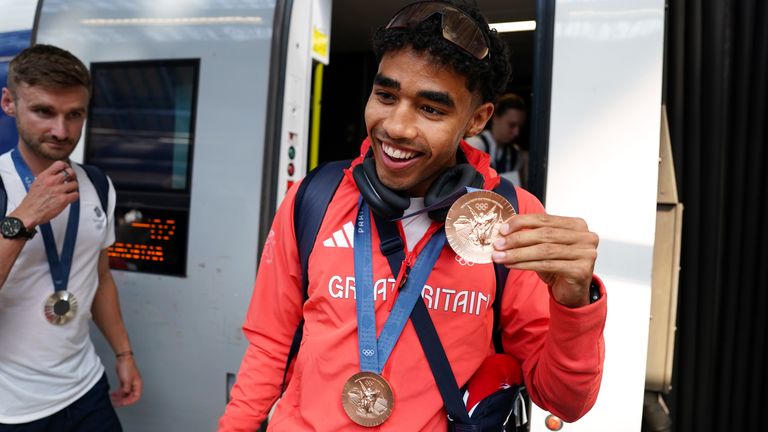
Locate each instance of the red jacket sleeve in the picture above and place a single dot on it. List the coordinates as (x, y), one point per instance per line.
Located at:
(273, 316)
(561, 349)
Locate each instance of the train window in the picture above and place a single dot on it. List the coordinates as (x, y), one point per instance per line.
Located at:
(141, 123)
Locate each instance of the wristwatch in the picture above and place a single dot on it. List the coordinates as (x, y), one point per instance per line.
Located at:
(12, 228)
(594, 291)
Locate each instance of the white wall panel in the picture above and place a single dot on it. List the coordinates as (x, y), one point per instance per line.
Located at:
(603, 167)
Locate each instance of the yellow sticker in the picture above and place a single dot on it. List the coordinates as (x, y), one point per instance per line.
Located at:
(320, 43)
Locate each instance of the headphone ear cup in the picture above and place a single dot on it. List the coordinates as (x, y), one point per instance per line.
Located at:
(384, 201)
(449, 182)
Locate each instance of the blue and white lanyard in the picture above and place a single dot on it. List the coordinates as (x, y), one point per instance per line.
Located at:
(60, 268)
(373, 353)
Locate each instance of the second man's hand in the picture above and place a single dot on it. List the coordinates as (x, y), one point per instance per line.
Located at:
(51, 192)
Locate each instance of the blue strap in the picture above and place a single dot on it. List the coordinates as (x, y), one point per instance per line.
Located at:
(3, 199)
(312, 199)
(507, 190)
(425, 330)
(364, 305)
(101, 184)
(374, 353)
(438, 362)
(60, 265)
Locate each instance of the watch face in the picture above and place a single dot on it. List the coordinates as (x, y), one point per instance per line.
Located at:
(10, 227)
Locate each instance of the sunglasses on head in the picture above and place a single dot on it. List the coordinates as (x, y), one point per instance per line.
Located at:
(458, 27)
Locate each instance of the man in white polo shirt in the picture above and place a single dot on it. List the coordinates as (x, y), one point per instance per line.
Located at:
(54, 268)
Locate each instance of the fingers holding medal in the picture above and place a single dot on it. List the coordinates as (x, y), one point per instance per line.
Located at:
(540, 241)
(474, 222)
(560, 249)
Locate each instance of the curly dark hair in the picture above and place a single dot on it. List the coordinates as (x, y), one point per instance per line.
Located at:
(487, 76)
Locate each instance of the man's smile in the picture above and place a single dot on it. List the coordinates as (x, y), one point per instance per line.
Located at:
(396, 153)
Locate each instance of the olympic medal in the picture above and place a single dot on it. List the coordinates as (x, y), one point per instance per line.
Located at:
(473, 224)
(367, 399)
(60, 307)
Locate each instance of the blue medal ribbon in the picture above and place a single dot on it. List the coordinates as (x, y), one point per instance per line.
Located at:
(60, 267)
(374, 353)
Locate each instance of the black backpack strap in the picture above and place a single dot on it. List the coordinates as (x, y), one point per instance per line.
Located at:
(392, 247)
(507, 190)
(312, 199)
(3, 199)
(101, 184)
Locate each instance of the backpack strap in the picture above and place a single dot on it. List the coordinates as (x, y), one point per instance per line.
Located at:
(101, 184)
(3, 199)
(312, 199)
(507, 190)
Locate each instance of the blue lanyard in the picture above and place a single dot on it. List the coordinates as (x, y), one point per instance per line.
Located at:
(59, 267)
(373, 353)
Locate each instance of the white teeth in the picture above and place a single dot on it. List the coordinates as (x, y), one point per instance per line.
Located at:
(397, 153)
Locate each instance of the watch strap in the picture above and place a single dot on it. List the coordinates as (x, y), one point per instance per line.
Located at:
(24, 232)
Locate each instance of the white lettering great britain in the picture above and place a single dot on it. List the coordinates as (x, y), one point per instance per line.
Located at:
(436, 298)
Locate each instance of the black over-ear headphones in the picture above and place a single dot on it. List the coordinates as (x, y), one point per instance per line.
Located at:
(391, 204)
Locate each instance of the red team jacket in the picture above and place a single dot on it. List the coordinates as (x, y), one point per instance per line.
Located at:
(560, 349)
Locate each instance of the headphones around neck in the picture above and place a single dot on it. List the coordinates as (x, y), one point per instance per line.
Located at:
(391, 204)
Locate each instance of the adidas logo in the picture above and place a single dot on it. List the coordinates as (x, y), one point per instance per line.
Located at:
(343, 238)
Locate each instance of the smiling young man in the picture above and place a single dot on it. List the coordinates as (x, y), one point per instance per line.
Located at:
(440, 69)
(54, 269)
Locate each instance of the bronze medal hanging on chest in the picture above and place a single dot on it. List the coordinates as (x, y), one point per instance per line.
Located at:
(473, 224)
(60, 307)
(367, 399)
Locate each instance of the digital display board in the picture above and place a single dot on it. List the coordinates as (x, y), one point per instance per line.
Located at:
(150, 241)
(140, 132)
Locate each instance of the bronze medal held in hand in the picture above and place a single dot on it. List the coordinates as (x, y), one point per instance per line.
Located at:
(473, 224)
(367, 399)
(60, 307)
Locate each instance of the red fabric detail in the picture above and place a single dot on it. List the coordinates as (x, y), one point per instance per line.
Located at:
(496, 372)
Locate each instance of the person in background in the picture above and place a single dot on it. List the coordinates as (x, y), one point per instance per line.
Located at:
(500, 139)
(54, 269)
